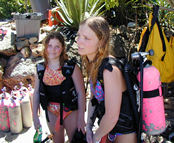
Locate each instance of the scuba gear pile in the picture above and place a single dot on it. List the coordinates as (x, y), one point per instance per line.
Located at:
(4, 115)
(26, 111)
(30, 92)
(65, 94)
(15, 116)
(25, 104)
(15, 110)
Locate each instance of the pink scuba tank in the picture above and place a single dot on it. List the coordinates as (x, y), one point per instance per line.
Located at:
(4, 117)
(15, 116)
(25, 107)
(153, 115)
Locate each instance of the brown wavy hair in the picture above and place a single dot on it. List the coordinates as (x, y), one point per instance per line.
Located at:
(58, 36)
(101, 28)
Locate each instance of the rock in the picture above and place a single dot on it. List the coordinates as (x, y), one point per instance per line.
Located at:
(33, 46)
(7, 44)
(21, 71)
(32, 40)
(26, 52)
(42, 37)
(46, 29)
(118, 45)
(131, 25)
(3, 62)
(13, 26)
(2, 66)
(21, 44)
(18, 39)
(38, 51)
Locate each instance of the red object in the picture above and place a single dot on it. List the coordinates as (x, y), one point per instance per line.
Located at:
(2, 34)
(52, 17)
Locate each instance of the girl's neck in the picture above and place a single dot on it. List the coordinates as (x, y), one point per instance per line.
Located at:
(54, 65)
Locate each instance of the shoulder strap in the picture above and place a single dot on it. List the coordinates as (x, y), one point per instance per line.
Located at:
(68, 68)
(40, 70)
(107, 63)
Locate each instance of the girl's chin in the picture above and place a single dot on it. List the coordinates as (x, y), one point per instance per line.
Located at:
(80, 52)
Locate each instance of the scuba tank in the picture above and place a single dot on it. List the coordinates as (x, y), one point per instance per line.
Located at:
(16, 92)
(31, 91)
(25, 107)
(15, 116)
(153, 115)
(4, 117)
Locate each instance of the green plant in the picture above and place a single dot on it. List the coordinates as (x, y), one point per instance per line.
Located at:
(125, 11)
(111, 4)
(74, 11)
(9, 6)
(25, 3)
(166, 16)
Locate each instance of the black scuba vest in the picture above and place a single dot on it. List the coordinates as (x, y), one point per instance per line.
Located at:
(65, 93)
(125, 123)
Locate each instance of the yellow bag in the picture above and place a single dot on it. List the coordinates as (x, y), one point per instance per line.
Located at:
(152, 37)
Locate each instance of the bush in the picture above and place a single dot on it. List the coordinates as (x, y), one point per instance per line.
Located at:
(9, 6)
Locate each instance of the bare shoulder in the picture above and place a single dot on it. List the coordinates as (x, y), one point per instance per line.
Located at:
(114, 73)
(77, 72)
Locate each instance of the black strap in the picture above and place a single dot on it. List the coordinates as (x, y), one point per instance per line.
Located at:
(46, 114)
(150, 94)
(61, 113)
(155, 16)
(147, 33)
(67, 71)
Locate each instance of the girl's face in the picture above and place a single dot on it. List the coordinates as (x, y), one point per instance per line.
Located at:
(87, 42)
(54, 49)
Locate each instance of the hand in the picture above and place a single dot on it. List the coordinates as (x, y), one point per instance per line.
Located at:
(81, 124)
(36, 121)
(95, 140)
(89, 136)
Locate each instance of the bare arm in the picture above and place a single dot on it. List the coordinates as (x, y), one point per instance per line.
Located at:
(113, 87)
(79, 85)
(36, 102)
(90, 113)
(89, 133)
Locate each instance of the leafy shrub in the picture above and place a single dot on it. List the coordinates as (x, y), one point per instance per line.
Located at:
(74, 11)
(9, 6)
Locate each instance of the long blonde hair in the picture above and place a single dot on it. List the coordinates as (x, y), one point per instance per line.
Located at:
(58, 36)
(101, 28)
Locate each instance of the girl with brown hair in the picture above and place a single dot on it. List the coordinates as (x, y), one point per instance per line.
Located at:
(61, 96)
